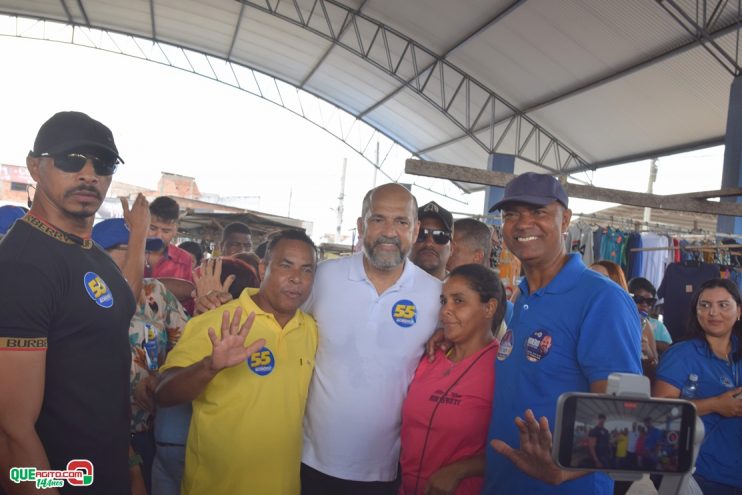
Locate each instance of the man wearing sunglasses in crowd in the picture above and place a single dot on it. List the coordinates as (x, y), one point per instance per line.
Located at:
(64, 318)
(432, 247)
(645, 297)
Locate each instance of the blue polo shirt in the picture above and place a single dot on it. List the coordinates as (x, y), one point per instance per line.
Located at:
(720, 458)
(577, 330)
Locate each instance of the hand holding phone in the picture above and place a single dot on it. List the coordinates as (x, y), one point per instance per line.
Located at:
(613, 433)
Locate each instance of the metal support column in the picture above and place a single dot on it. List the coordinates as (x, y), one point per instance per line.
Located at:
(732, 172)
(497, 162)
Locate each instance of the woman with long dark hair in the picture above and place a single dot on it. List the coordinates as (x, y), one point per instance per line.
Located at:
(706, 368)
(447, 410)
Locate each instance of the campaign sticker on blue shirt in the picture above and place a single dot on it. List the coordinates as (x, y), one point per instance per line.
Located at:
(506, 346)
(404, 313)
(98, 290)
(261, 362)
(538, 345)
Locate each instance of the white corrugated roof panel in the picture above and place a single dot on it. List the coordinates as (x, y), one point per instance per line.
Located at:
(435, 23)
(348, 79)
(588, 64)
(651, 109)
(419, 129)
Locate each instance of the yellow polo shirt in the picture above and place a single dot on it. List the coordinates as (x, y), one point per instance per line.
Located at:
(245, 434)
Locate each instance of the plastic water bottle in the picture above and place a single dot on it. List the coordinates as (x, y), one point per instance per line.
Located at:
(690, 388)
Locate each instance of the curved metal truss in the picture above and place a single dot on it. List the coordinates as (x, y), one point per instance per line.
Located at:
(368, 142)
(482, 115)
(702, 21)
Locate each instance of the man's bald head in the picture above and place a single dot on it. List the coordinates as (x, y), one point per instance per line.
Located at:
(388, 190)
(388, 225)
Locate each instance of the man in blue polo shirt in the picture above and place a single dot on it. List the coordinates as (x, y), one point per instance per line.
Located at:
(591, 323)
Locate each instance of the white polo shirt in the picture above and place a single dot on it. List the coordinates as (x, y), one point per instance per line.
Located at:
(369, 347)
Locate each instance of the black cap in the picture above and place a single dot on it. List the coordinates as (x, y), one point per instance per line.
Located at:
(435, 210)
(70, 131)
(533, 189)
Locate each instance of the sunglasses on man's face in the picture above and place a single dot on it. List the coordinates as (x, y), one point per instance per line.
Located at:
(439, 236)
(645, 300)
(74, 162)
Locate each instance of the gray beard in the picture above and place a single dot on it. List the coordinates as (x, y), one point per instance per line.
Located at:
(383, 263)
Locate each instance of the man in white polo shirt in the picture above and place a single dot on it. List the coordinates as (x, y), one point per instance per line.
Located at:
(375, 310)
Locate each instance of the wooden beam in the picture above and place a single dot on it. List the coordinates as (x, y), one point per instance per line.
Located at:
(457, 173)
(653, 200)
(690, 204)
(721, 193)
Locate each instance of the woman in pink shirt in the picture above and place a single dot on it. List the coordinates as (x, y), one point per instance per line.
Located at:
(447, 410)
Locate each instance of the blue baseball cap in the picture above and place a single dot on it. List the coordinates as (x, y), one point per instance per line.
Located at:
(8, 215)
(533, 189)
(114, 232)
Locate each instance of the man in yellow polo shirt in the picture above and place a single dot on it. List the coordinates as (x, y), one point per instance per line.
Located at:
(248, 391)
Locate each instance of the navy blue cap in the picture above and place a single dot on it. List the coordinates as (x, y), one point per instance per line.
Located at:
(114, 232)
(8, 215)
(533, 189)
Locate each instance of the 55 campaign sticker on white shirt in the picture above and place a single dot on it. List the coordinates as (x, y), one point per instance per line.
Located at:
(404, 313)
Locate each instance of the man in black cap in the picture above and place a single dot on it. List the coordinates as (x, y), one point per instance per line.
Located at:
(64, 319)
(433, 244)
(571, 328)
(599, 444)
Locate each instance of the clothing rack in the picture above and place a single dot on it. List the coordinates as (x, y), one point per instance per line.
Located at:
(638, 226)
(723, 247)
(658, 227)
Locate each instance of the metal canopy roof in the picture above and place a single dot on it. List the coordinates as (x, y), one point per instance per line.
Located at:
(564, 85)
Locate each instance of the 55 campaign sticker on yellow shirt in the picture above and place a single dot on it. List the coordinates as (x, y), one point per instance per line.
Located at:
(404, 313)
(261, 362)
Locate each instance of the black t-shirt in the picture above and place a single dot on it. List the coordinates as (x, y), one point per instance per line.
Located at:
(67, 295)
(602, 443)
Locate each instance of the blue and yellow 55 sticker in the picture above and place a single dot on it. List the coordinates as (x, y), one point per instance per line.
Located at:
(404, 313)
(98, 290)
(261, 362)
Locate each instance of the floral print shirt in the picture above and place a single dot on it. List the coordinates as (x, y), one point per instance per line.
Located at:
(153, 331)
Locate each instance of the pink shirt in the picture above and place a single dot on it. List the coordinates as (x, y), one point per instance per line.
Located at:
(459, 426)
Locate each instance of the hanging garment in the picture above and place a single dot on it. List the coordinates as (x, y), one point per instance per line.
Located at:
(654, 262)
(635, 259)
(580, 240)
(612, 246)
